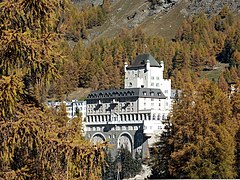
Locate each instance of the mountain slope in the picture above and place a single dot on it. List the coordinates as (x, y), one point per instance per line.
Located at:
(126, 14)
(162, 18)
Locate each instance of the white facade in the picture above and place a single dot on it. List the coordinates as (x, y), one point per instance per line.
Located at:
(147, 73)
(134, 115)
(72, 107)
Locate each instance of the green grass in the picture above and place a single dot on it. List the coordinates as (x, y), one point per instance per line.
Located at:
(214, 74)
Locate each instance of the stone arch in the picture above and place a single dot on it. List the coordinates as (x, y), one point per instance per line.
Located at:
(125, 139)
(98, 138)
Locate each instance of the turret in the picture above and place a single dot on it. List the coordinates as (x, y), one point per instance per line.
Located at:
(162, 65)
(148, 65)
(125, 67)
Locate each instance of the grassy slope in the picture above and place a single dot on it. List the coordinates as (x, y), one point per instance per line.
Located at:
(214, 74)
(164, 24)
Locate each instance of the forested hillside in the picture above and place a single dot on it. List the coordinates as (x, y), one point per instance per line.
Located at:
(203, 47)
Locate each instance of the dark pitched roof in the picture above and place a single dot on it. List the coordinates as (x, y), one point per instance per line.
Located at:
(130, 92)
(141, 60)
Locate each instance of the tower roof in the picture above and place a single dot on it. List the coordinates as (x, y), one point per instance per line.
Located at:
(141, 60)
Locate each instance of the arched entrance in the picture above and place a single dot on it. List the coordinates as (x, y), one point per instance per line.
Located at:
(98, 138)
(125, 141)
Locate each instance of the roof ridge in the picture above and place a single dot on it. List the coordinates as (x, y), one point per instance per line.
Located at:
(141, 60)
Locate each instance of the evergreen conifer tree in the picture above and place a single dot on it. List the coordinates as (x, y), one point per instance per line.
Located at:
(130, 166)
(161, 154)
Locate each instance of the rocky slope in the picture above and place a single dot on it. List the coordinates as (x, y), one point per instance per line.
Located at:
(210, 7)
(155, 17)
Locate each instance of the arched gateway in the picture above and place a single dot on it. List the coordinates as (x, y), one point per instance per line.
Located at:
(98, 138)
(125, 140)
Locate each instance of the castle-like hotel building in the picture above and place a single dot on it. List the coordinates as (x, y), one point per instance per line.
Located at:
(133, 116)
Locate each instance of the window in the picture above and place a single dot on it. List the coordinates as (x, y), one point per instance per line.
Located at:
(166, 91)
(152, 99)
(144, 93)
(152, 84)
(130, 84)
(157, 84)
(154, 117)
(151, 93)
(152, 104)
(152, 77)
(157, 78)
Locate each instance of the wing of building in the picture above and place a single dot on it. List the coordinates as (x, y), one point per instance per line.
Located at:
(133, 116)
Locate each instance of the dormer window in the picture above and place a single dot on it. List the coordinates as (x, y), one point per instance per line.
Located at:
(130, 84)
(144, 93)
(151, 93)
